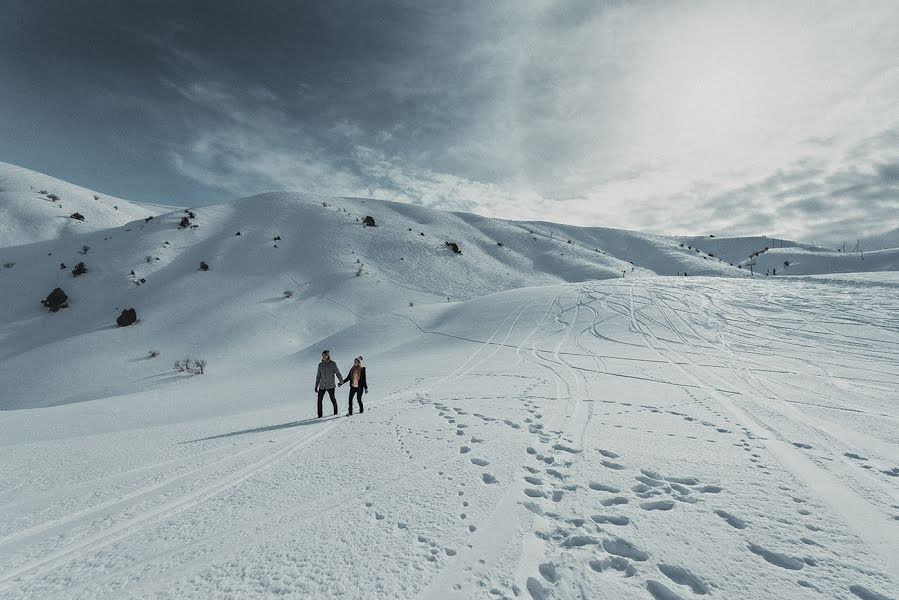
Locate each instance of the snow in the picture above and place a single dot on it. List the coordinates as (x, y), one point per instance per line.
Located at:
(554, 430)
(28, 215)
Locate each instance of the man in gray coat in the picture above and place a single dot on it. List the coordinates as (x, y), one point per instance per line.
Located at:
(324, 380)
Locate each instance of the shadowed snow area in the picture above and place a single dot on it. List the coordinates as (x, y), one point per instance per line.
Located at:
(538, 426)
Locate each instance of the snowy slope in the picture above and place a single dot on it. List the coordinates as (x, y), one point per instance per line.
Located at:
(545, 420)
(238, 310)
(28, 215)
(798, 261)
(637, 438)
(737, 250)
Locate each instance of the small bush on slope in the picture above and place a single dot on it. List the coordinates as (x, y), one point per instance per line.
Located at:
(56, 300)
(128, 317)
(190, 365)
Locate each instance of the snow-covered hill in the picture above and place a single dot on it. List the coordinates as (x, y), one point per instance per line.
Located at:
(337, 271)
(798, 261)
(548, 417)
(36, 207)
(738, 250)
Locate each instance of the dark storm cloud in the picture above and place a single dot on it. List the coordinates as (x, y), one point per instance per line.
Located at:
(392, 74)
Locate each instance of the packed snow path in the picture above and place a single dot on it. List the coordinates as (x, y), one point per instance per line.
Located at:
(659, 438)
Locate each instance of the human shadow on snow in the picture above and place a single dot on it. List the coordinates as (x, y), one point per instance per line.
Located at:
(261, 429)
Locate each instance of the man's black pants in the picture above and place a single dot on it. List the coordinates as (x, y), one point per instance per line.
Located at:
(358, 392)
(321, 394)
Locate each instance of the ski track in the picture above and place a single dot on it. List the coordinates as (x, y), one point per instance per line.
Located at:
(547, 476)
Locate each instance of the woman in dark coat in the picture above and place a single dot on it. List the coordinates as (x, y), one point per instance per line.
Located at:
(356, 377)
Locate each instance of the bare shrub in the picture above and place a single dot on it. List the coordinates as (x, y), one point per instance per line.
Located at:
(288, 293)
(56, 300)
(85, 249)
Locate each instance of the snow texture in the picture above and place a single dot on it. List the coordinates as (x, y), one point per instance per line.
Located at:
(538, 425)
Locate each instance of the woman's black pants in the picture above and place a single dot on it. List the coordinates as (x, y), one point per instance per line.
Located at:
(358, 392)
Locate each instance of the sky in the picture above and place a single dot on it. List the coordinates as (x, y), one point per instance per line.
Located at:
(732, 118)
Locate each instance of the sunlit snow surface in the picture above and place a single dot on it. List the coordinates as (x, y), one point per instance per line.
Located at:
(545, 419)
(622, 439)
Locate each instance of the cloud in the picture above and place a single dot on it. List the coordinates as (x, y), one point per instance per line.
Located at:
(665, 116)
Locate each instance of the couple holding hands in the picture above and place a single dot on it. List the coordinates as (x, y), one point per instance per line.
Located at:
(324, 382)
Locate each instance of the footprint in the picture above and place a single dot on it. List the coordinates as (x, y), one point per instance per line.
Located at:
(602, 487)
(608, 453)
(578, 541)
(681, 489)
(568, 449)
(556, 474)
(777, 558)
(854, 456)
(620, 547)
(710, 489)
(809, 542)
(733, 521)
(536, 589)
(657, 505)
(801, 445)
(613, 501)
(614, 562)
(533, 480)
(611, 519)
(611, 465)
(683, 480)
(464, 450)
(531, 492)
(660, 592)
(866, 594)
(682, 576)
(479, 462)
(549, 573)
(488, 478)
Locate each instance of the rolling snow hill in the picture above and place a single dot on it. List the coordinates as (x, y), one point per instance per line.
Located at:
(548, 418)
(29, 214)
(641, 438)
(336, 270)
